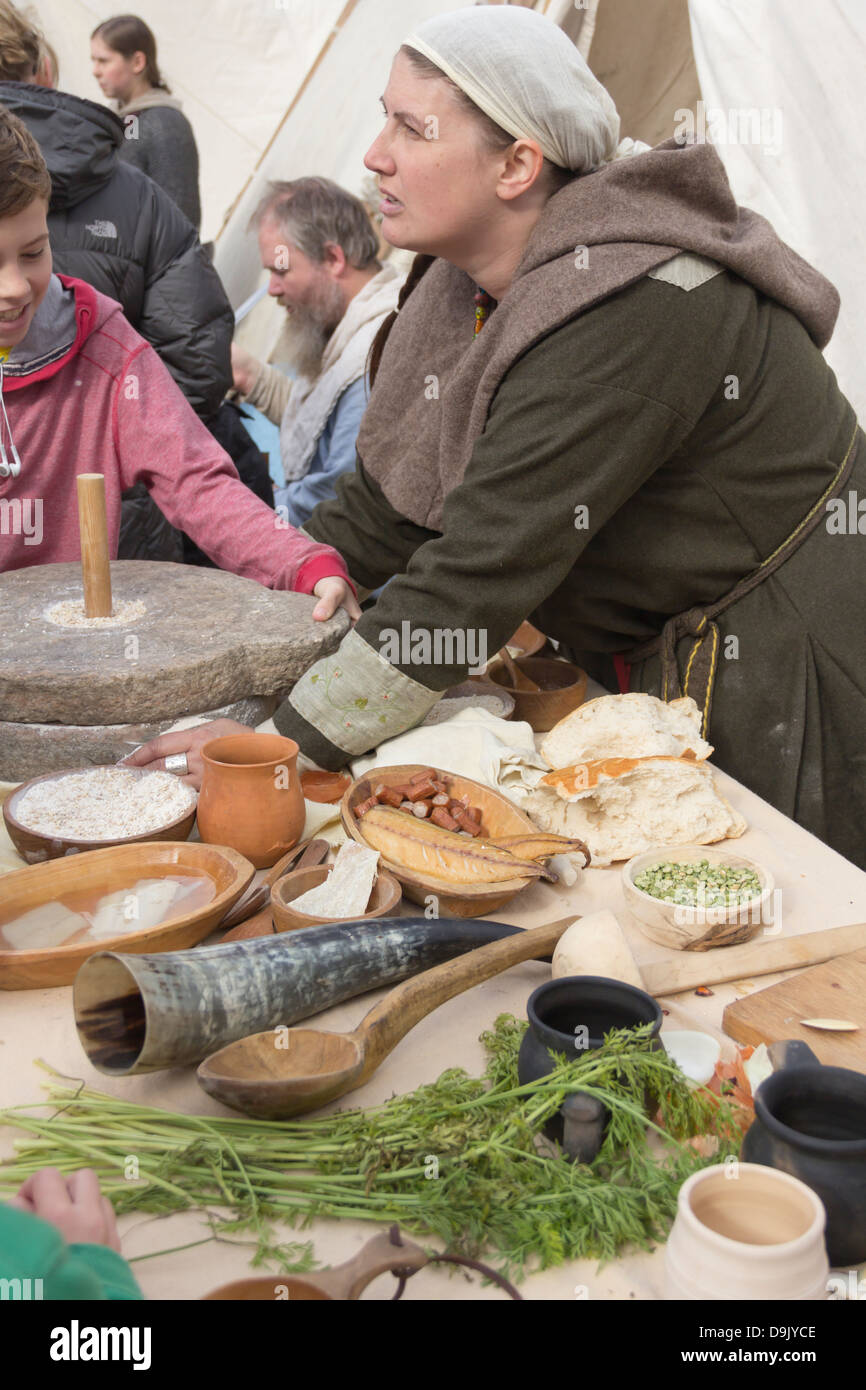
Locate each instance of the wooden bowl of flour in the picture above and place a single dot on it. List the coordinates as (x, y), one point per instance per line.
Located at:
(35, 846)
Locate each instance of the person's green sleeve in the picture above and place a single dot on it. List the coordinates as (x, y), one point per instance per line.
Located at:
(37, 1263)
(375, 541)
(575, 429)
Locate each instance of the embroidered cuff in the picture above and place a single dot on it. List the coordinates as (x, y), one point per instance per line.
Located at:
(356, 698)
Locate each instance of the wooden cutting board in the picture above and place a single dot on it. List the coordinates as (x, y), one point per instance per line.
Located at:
(836, 989)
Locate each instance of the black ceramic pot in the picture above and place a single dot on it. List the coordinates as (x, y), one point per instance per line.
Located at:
(570, 1013)
(810, 1121)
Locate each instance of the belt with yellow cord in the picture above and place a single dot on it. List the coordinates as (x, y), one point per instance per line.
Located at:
(698, 623)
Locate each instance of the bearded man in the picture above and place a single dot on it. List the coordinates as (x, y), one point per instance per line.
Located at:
(320, 248)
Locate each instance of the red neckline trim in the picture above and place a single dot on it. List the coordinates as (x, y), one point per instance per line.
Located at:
(85, 315)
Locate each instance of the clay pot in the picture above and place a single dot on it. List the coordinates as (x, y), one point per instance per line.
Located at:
(556, 1010)
(810, 1121)
(744, 1231)
(251, 796)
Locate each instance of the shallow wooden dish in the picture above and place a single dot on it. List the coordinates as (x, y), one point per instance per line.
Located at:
(384, 898)
(36, 847)
(473, 688)
(498, 817)
(106, 871)
(543, 708)
(694, 928)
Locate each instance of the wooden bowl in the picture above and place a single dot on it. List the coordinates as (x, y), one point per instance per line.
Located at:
(543, 708)
(695, 928)
(36, 847)
(498, 817)
(106, 871)
(384, 898)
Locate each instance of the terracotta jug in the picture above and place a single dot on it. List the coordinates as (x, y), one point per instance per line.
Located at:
(744, 1231)
(251, 797)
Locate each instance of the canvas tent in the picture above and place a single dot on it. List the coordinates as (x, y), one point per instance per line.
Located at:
(280, 88)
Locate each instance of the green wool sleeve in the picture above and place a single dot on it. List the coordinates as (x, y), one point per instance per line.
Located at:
(375, 541)
(110, 1269)
(575, 429)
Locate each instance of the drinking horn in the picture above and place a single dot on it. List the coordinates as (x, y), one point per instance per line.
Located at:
(142, 1013)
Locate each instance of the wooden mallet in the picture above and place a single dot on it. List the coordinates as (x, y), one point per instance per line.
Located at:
(93, 530)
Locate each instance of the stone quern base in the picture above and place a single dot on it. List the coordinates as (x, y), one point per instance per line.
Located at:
(28, 750)
(207, 638)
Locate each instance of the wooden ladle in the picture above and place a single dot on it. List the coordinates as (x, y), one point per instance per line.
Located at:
(280, 1073)
(519, 681)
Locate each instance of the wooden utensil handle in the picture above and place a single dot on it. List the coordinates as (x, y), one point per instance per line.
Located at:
(260, 924)
(519, 680)
(761, 956)
(307, 853)
(348, 1281)
(93, 531)
(383, 1027)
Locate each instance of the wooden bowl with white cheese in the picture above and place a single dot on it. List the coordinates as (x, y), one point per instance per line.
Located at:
(383, 899)
(131, 898)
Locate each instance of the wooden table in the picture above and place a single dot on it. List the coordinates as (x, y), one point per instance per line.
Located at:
(819, 889)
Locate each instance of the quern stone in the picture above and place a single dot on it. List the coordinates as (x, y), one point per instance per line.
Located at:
(207, 639)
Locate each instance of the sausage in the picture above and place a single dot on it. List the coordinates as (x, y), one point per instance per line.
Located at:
(439, 816)
(465, 821)
(390, 796)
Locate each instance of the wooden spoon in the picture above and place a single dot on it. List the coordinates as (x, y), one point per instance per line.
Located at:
(519, 681)
(307, 854)
(273, 1075)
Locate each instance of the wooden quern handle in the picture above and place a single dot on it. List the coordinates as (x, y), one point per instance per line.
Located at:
(93, 529)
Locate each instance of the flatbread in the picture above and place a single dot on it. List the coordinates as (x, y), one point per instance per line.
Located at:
(346, 891)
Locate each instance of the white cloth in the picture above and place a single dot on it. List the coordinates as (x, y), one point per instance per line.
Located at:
(792, 75)
(311, 403)
(473, 743)
(526, 75)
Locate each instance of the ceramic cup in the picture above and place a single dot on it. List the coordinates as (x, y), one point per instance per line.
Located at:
(251, 797)
(743, 1231)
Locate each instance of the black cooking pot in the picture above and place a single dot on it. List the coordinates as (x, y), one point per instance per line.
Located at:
(810, 1121)
(572, 1014)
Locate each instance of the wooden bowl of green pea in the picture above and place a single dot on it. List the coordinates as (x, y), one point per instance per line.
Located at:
(697, 897)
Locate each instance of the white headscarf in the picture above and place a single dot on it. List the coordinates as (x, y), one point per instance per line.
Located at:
(528, 77)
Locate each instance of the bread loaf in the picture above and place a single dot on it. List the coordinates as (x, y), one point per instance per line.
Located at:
(626, 726)
(622, 806)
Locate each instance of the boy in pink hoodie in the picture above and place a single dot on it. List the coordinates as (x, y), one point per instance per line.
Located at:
(82, 392)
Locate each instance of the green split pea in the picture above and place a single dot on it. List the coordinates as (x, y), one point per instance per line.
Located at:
(700, 884)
